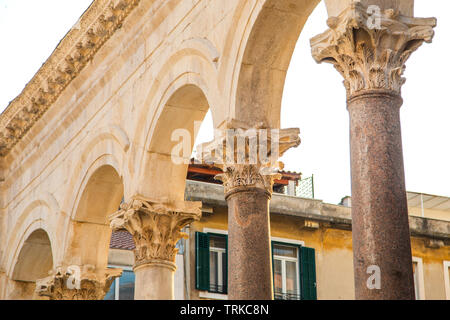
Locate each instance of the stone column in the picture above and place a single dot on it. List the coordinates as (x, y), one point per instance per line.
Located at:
(77, 283)
(156, 229)
(248, 182)
(371, 54)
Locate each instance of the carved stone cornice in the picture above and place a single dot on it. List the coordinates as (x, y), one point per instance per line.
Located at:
(371, 53)
(77, 283)
(252, 160)
(156, 228)
(78, 47)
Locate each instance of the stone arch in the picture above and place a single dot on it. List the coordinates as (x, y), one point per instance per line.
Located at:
(39, 213)
(106, 146)
(100, 195)
(35, 258)
(31, 260)
(99, 179)
(182, 103)
(269, 39)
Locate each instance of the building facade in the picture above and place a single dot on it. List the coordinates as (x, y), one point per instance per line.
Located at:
(311, 246)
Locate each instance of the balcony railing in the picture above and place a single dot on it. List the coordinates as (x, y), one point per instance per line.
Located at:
(286, 296)
(305, 188)
(214, 288)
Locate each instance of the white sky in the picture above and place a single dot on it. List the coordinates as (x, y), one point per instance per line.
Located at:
(313, 100)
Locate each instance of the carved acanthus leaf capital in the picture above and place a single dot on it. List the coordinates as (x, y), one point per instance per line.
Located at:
(77, 283)
(370, 51)
(249, 156)
(247, 176)
(156, 227)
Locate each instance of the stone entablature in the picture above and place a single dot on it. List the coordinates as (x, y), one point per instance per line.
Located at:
(77, 48)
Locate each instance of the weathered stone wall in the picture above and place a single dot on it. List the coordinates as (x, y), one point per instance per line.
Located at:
(160, 69)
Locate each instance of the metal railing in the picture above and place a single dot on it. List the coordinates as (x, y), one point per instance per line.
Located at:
(305, 188)
(214, 288)
(286, 296)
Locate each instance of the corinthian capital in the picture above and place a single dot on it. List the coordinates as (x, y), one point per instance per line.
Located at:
(77, 283)
(249, 156)
(244, 176)
(369, 49)
(156, 228)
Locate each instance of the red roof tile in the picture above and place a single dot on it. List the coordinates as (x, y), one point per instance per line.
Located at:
(122, 240)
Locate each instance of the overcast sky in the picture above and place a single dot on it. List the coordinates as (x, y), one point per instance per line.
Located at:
(313, 100)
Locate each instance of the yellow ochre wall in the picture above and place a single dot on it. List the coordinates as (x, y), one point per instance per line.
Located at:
(334, 257)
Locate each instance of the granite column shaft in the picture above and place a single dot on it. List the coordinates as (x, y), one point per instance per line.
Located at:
(380, 227)
(249, 260)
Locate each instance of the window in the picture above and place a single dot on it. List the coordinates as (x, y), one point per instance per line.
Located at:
(419, 286)
(122, 288)
(447, 279)
(217, 263)
(294, 268)
(286, 272)
(294, 272)
(211, 262)
(416, 280)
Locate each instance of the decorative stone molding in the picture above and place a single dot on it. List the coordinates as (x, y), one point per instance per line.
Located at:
(156, 228)
(368, 55)
(66, 283)
(252, 162)
(73, 53)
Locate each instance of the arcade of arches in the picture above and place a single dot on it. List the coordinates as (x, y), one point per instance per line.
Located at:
(94, 126)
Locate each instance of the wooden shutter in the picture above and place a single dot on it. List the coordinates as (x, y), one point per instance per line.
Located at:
(201, 261)
(308, 274)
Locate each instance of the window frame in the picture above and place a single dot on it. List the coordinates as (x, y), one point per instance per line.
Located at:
(283, 260)
(420, 278)
(220, 253)
(117, 280)
(447, 279)
(206, 293)
(292, 243)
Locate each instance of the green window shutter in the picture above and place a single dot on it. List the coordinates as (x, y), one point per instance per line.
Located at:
(201, 261)
(308, 274)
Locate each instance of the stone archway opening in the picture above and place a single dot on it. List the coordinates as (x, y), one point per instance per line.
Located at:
(172, 143)
(266, 59)
(34, 262)
(100, 198)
